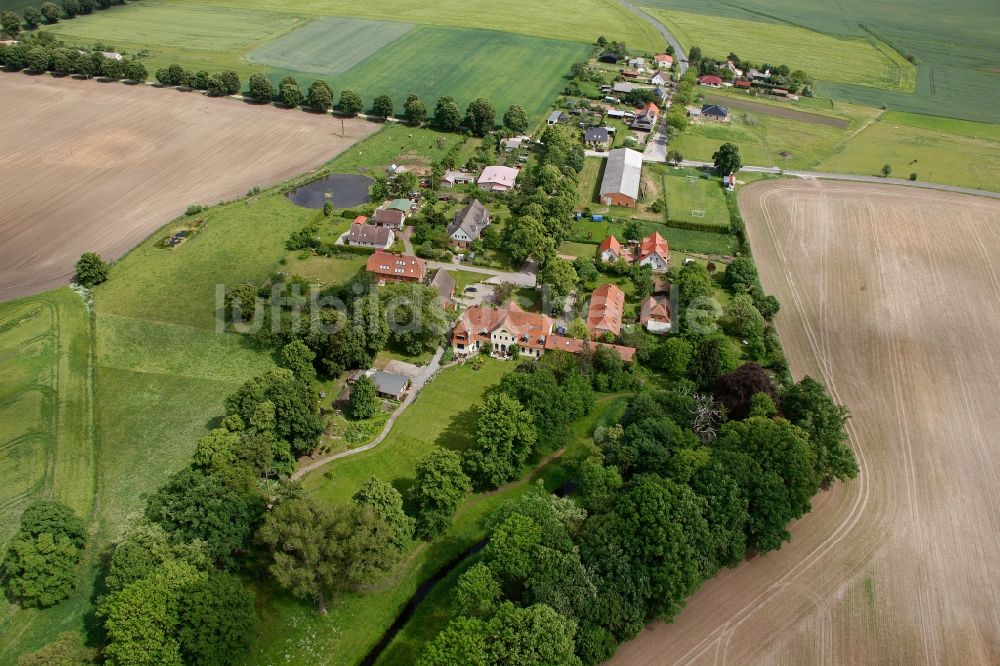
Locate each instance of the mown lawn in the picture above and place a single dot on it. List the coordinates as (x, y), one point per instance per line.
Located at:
(685, 196)
(702, 242)
(396, 144)
(442, 415)
(589, 182)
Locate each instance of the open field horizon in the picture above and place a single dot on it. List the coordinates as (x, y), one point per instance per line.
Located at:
(117, 162)
(890, 298)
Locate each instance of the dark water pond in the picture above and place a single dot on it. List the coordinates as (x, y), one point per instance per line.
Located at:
(343, 189)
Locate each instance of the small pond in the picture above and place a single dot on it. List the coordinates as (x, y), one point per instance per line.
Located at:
(343, 189)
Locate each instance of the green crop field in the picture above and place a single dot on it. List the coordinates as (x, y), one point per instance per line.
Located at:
(688, 194)
(433, 61)
(329, 46)
(573, 20)
(857, 60)
(955, 46)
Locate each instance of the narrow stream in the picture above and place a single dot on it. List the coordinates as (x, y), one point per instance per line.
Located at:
(428, 585)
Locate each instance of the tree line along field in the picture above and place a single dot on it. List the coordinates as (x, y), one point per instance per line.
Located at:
(954, 45)
(899, 566)
(522, 61)
(857, 60)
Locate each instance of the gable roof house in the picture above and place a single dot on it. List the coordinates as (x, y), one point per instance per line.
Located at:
(514, 143)
(630, 73)
(451, 178)
(731, 66)
(710, 80)
(655, 314)
(468, 224)
(654, 252)
(664, 60)
(597, 137)
(611, 250)
(388, 217)
(498, 178)
(556, 117)
(501, 327)
(646, 119)
(369, 235)
(623, 87)
(742, 84)
(607, 305)
(622, 172)
(389, 267)
(660, 78)
(715, 112)
(445, 285)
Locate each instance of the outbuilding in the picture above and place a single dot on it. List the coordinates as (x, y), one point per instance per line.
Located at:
(622, 174)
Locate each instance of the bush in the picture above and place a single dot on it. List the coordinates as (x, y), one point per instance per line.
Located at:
(91, 270)
(194, 209)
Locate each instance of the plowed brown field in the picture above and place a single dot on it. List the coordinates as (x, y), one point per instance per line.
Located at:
(891, 296)
(87, 166)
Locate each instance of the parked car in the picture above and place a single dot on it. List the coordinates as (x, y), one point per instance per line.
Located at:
(470, 288)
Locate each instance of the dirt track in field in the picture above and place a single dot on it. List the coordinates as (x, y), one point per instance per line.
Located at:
(88, 166)
(892, 297)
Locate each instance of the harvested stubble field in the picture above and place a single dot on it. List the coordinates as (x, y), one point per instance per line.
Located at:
(891, 298)
(99, 166)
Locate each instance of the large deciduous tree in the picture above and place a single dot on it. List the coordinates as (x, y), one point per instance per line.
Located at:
(39, 568)
(505, 437)
(415, 110)
(364, 402)
(289, 92)
(382, 106)
(447, 116)
(320, 97)
(515, 119)
(297, 418)
(727, 159)
(481, 117)
(320, 550)
(350, 102)
(440, 487)
(261, 88)
(809, 406)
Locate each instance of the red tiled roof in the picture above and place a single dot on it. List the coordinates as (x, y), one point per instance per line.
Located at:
(742, 84)
(710, 80)
(478, 323)
(396, 265)
(611, 243)
(606, 306)
(360, 219)
(663, 58)
(574, 346)
(654, 244)
(656, 309)
(651, 108)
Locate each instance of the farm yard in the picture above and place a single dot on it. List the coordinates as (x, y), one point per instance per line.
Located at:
(953, 46)
(122, 163)
(908, 551)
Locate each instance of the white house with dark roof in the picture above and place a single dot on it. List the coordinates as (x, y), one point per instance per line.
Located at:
(468, 224)
(369, 235)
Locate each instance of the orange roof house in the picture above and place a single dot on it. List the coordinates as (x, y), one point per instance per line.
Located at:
(503, 328)
(655, 314)
(654, 252)
(611, 250)
(607, 305)
(389, 267)
(574, 346)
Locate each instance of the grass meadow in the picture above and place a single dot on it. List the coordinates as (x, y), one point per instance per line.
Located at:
(858, 60)
(911, 144)
(954, 46)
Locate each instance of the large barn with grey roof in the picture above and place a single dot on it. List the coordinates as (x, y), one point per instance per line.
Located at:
(622, 173)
